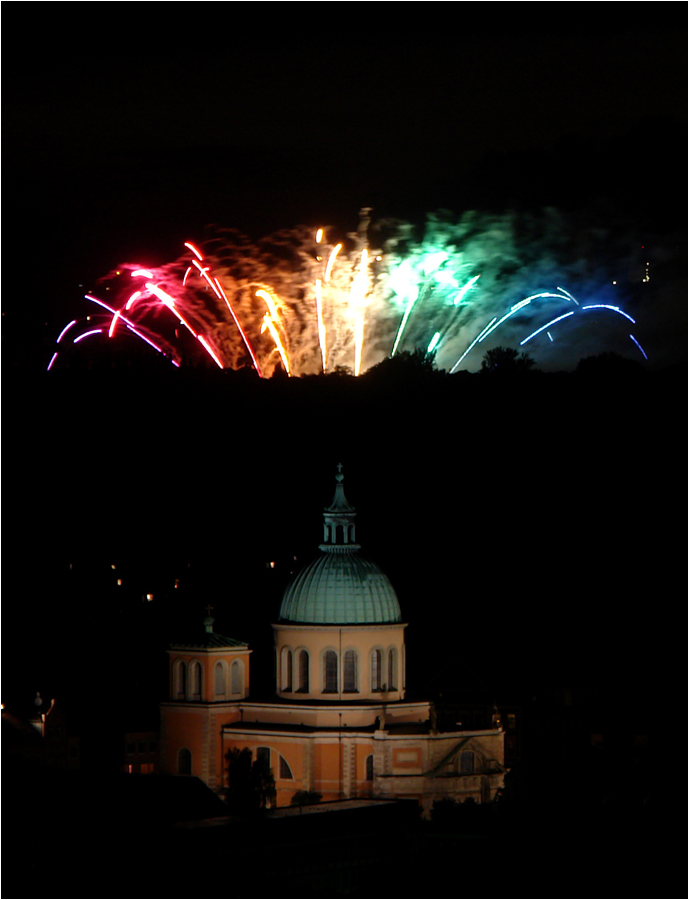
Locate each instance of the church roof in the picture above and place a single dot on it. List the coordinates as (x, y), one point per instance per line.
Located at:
(206, 640)
(340, 587)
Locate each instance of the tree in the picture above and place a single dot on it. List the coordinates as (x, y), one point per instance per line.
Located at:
(405, 364)
(506, 361)
(305, 798)
(609, 365)
(251, 785)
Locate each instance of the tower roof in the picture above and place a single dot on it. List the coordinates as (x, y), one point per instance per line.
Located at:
(206, 639)
(340, 586)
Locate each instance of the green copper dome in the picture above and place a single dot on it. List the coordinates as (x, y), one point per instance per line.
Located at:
(340, 586)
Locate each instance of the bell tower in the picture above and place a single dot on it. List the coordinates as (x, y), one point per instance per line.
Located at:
(209, 677)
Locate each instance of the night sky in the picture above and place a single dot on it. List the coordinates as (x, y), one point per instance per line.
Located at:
(123, 140)
(534, 532)
(128, 132)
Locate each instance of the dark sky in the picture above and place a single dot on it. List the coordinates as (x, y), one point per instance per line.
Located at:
(130, 127)
(128, 134)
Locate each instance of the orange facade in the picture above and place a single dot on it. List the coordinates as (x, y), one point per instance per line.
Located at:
(339, 723)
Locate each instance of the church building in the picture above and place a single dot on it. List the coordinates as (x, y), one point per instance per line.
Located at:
(339, 723)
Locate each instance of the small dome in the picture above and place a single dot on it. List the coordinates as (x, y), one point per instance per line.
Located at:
(340, 587)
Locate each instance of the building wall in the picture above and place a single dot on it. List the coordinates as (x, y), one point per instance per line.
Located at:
(291, 748)
(334, 765)
(183, 687)
(199, 725)
(430, 767)
(141, 752)
(316, 640)
(336, 715)
(198, 729)
(426, 767)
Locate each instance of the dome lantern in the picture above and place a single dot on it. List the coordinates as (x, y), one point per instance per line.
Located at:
(339, 521)
(340, 586)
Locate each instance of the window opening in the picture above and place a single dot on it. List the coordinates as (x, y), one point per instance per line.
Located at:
(350, 660)
(376, 663)
(330, 672)
(236, 677)
(304, 671)
(285, 771)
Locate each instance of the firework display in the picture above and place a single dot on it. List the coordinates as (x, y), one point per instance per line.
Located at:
(310, 303)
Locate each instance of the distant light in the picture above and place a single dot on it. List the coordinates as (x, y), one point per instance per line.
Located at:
(319, 235)
(149, 597)
(119, 582)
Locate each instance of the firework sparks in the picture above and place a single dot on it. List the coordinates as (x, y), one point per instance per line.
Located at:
(297, 300)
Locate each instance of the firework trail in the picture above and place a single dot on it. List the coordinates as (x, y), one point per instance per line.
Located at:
(307, 302)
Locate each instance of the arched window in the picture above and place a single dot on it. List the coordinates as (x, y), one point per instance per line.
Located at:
(184, 762)
(304, 672)
(236, 677)
(195, 676)
(330, 672)
(392, 669)
(285, 771)
(219, 680)
(350, 673)
(286, 669)
(376, 665)
(369, 767)
(180, 680)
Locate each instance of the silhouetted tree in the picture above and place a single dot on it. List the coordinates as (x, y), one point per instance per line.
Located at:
(405, 364)
(251, 785)
(609, 365)
(506, 361)
(305, 798)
